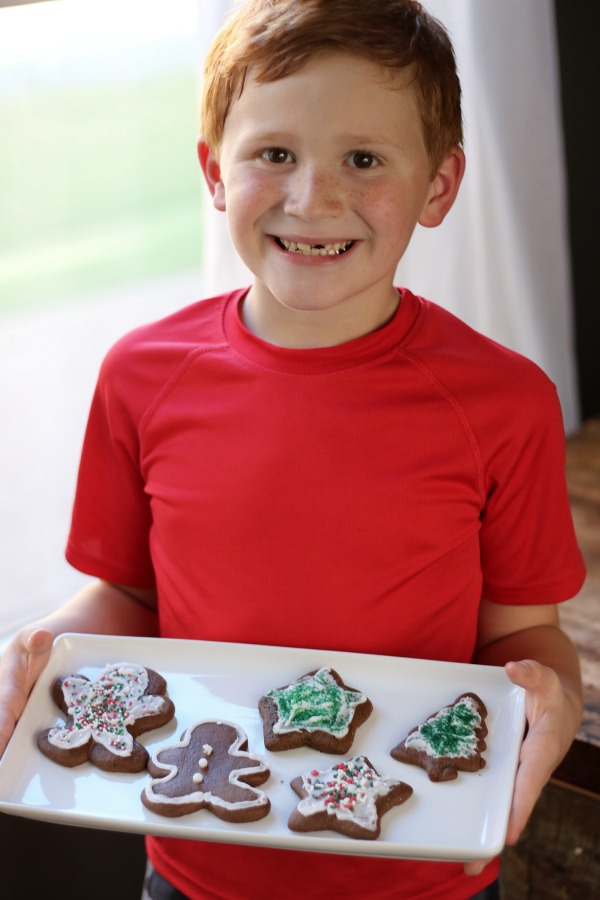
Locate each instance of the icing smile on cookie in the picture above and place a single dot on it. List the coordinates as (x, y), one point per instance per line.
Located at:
(318, 249)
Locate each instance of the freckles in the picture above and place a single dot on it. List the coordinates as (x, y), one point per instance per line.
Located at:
(329, 185)
(381, 203)
(380, 208)
(362, 197)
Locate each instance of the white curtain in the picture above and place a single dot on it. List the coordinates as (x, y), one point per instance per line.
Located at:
(500, 261)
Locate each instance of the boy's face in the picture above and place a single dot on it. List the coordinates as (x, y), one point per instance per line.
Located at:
(324, 175)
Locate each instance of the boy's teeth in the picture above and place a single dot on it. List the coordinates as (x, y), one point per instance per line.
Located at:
(315, 249)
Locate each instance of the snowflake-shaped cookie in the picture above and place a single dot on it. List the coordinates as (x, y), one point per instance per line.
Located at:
(349, 797)
(103, 716)
(209, 768)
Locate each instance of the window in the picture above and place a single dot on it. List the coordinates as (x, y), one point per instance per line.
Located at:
(100, 229)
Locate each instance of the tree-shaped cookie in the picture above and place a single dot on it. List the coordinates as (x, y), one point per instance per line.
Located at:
(450, 740)
(209, 768)
(317, 710)
(349, 797)
(104, 715)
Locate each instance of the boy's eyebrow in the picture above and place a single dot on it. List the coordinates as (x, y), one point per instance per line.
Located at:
(265, 137)
(361, 140)
(285, 136)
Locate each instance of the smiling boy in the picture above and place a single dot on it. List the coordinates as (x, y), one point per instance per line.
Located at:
(324, 175)
(322, 459)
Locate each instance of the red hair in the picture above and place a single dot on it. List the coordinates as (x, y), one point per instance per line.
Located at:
(275, 38)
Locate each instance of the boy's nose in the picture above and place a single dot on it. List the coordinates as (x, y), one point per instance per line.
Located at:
(313, 194)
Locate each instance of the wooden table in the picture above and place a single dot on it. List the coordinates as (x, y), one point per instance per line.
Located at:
(558, 857)
(581, 617)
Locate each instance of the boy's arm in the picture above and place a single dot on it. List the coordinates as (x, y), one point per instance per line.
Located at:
(100, 608)
(539, 657)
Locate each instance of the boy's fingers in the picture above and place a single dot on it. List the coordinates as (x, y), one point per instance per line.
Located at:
(7, 724)
(11, 705)
(527, 791)
(21, 663)
(39, 641)
(525, 673)
(543, 687)
(538, 756)
(476, 867)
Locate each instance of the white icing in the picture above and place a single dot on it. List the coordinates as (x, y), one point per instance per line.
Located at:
(102, 711)
(363, 790)
(260, 798)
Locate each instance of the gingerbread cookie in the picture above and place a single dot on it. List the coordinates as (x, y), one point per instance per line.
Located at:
(349, 797)
(210, 768)
(318, 711)
(450, 740)
(104, 715)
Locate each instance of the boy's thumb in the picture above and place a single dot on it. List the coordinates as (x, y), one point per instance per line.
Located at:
(520, 672)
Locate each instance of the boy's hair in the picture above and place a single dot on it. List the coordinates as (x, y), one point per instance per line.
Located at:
(277, 37)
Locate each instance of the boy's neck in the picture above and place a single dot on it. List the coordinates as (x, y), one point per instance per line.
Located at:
(298, 329)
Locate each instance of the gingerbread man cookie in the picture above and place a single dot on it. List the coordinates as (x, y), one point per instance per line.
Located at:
(209, 768)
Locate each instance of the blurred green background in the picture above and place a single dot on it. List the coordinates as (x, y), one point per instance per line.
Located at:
(99, 181)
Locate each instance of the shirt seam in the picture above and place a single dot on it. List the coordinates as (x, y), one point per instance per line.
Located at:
(171, 382)
(459, 412)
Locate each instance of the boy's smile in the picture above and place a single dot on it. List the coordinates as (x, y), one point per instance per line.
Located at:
(324, 175)
(319, 249)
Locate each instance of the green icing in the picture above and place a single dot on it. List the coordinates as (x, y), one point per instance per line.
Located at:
(315, 703)
(449, 733)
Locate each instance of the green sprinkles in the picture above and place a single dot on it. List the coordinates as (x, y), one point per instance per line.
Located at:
(451, 732)
(315, 703)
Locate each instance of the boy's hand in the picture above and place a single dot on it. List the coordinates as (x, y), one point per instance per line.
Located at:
(20, 665)
(551, 720)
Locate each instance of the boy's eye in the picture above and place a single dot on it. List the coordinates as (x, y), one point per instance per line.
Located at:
(362, 159)
(277, 155)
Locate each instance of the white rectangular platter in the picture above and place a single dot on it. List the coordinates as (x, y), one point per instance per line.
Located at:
(463, 819)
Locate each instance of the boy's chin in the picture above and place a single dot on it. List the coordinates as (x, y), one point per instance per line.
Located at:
(301, 303)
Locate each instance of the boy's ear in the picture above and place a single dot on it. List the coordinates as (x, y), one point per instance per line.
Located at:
(444, 189)
(212, 174)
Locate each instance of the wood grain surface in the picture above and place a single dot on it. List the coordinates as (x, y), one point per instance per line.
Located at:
(581, 617)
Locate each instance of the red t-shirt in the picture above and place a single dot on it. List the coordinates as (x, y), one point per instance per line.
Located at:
(271, 494)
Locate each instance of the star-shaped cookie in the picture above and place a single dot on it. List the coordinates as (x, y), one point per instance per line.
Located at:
(317, 710)
(349, 797)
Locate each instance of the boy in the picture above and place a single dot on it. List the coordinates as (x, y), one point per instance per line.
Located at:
(324, 460)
